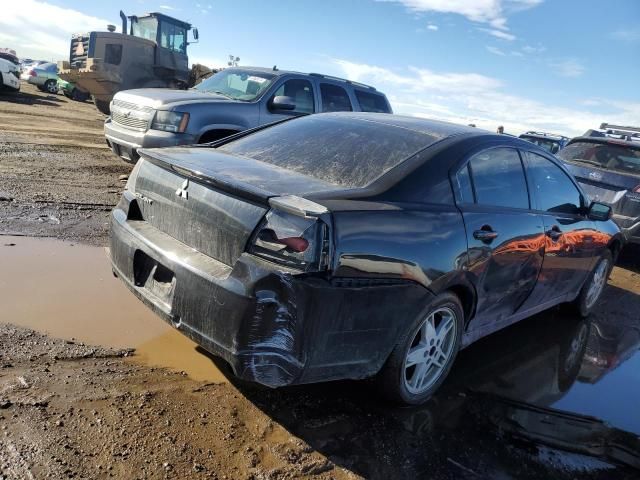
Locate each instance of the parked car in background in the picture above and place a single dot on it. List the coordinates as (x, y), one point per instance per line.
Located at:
(606, 162)
(228, 102)
(26, 65)
(9, 71)
(549, 141)
(44, 76)
(70, 90)
(348, 245)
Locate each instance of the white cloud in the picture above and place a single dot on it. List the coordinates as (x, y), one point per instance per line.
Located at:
(38, 29)
(474, 98)
(568, 68)
(432, 27)
(167, 7)
(491, 12)
(499, 34)
(495, 51)
(627, 35)
(531, 49)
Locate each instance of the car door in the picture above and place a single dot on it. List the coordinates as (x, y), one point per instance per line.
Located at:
(300, 90)
(572, 243)
(505, 238)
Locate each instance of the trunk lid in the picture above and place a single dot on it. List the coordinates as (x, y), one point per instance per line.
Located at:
(209, 200)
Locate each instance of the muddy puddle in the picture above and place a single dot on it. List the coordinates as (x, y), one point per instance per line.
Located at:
(67, 290)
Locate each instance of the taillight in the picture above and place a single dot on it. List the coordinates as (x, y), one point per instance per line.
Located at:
(32, 73)
(293, 234)
(637, 189)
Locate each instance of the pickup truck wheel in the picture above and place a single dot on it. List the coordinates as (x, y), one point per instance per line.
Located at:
(102, 106)
(424, 355)
(594, 285)
(51, 86)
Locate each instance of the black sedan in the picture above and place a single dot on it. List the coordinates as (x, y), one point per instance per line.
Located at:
(351, 245)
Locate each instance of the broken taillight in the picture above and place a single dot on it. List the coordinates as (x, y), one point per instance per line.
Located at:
(32, 73)
(292, 236)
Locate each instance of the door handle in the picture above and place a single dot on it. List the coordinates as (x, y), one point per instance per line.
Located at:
(485, 234)
(554, 233)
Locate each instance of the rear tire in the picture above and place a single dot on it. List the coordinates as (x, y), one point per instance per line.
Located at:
(593, 287)
(424, 354)
(51, 86)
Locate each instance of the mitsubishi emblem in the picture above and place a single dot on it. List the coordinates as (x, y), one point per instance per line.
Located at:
(182, 191)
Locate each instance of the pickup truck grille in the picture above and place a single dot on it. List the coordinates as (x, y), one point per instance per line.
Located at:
(130, 115)
(79, 51)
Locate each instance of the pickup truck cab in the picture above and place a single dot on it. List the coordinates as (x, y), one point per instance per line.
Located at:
(229, 102)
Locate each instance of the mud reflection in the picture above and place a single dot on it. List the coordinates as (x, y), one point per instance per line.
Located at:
(471, 429)
(68, 291)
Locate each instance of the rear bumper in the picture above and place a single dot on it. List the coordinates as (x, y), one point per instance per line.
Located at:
(272, 326)
(629, 226)
(125, 142)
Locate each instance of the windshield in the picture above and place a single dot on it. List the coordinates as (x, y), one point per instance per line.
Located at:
(621, 158)
(545, 143)
(237, 84)
(145, 28)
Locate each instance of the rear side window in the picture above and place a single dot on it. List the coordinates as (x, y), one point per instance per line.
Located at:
(465, 191)
(498, 178)
(334, 98)
(553, 189)
(372, 102)
(345, 152)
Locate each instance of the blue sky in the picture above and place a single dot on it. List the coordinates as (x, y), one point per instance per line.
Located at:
(560, 65)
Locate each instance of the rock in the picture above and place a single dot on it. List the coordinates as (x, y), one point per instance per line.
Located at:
(5, 197)
(123, 177)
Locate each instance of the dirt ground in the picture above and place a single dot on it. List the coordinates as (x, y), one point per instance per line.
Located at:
(72, 410)
(57, 176)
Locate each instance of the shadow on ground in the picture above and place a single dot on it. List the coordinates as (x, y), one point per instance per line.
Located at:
(457, 435)
(31, 99)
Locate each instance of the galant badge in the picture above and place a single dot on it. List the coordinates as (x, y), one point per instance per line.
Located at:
(595, 176)
(182, 191)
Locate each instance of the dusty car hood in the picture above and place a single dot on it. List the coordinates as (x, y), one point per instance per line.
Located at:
(158, 97)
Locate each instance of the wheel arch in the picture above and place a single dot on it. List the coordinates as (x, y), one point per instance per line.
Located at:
(216, 133)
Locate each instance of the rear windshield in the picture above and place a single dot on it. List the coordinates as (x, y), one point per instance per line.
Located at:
(372, 102)
(344, 151)
(545, 143)
(621, 158)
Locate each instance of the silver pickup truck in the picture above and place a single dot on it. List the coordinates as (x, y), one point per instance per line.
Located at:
(229, 102)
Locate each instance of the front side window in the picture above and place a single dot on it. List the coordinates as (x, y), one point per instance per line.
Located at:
(553, 189)
(237, 84)
(300, 91)
(173, 37)
(334, 98)
(498, 178)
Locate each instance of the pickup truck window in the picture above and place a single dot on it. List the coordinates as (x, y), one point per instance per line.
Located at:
(334, 98)
(372, 102)
(302, 93)
(237, 84)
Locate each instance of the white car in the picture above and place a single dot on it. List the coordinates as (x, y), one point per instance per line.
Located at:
(9, 72)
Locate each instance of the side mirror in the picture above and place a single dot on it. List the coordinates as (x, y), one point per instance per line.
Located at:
(282, 102)
(196, 35)
(599, 211)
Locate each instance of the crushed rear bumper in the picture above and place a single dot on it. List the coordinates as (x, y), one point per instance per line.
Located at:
(272, 326)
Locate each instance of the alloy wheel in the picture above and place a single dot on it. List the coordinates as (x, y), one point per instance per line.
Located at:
(598, 281)
(52, 87)
(430, 350)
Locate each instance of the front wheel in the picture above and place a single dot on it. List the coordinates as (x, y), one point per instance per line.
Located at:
(594, 286)
(424, 355)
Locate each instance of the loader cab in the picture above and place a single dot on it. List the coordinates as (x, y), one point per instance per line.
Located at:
(170, 36)
(167, 32)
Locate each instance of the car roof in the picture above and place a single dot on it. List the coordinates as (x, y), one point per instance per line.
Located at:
(279, 73)
(606, 140)
(543, 135)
